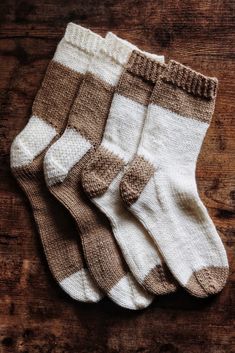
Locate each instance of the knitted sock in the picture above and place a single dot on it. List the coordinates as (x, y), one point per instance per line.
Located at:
(63, 166)
(103, 172)
(49, 116)
(160, 187)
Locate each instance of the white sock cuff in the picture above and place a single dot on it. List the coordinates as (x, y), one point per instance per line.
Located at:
(116, 48)
(83, 38)
(120, 49)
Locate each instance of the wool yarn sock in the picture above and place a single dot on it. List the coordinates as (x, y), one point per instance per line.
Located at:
(159, 186)
(49, 116)
(103, 172)
(63, 166)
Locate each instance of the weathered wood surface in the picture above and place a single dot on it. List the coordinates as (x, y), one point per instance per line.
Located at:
(35, 315)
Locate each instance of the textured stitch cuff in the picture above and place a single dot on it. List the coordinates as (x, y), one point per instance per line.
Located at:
(142, 65)
(83, 38)
(117, 48)
(190, 80)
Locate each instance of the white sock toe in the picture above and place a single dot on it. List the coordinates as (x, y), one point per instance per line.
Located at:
(80, 286)
(129, 295)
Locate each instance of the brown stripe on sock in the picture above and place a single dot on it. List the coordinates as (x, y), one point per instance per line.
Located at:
(90, 109)
(135, 88)
(100, 172)
(56, 94)
(135, 179)
(180, 102)
(102, 253)
(137, 80)
(186, 92)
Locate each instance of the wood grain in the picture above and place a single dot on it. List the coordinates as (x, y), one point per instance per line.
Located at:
(35, 315)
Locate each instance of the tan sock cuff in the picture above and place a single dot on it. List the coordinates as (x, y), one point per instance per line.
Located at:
(144, 66)
(190, 81)
(83, 38)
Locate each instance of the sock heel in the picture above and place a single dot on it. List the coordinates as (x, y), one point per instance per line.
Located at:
(135, 179)
(100, 171)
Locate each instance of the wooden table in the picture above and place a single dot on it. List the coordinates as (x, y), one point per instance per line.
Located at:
(35, 315)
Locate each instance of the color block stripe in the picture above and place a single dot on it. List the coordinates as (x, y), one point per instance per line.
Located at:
(56, 94)
(135, 87)
(179, 101)
(91, 107)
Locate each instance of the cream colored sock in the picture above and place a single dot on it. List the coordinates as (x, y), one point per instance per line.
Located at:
(159, 187)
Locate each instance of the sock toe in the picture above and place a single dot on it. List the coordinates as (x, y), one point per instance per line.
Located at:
(160, 281)
(128, 294)
(80, 286)
(212, 279)
(207, 281)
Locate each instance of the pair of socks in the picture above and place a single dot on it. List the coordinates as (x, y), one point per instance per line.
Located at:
(50, 111)
(151, 168)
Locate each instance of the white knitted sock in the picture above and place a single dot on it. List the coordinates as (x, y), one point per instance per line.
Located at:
(103, 172)
(160, 187)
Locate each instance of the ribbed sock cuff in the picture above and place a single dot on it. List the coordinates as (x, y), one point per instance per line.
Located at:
(142, 65)
(120, 49)
(116, 48)
(190, 81)
(83, 38)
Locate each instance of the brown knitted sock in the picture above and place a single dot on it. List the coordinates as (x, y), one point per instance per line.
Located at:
(49, 116)
(63, 166)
